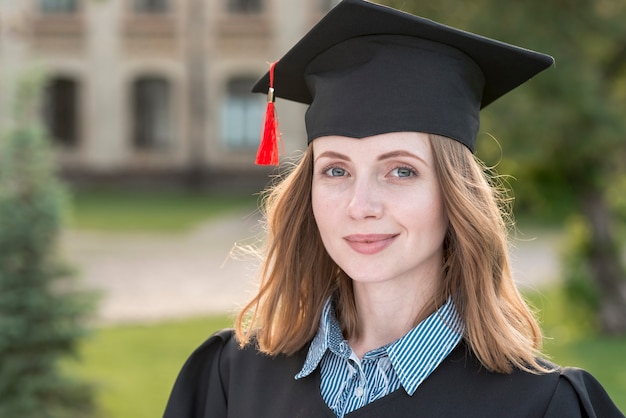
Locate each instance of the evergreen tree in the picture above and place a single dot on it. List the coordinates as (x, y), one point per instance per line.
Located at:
(41, 312)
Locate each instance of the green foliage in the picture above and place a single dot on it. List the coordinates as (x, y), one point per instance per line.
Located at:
(583, 298)
(40, 313)
(616, 192)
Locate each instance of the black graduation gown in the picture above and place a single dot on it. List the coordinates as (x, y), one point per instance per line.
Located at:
(221, 380)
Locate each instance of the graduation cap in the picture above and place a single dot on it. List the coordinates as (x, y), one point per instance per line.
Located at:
(367, 69)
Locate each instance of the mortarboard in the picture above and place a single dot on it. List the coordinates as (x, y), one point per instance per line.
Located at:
(367, 69)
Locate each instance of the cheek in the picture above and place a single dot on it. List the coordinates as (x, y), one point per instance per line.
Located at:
(319, 206)
(326, 210)
(439, 218)
(428, 214)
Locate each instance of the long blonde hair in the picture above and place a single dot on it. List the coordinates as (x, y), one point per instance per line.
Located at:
(298, 275)
(500, 328)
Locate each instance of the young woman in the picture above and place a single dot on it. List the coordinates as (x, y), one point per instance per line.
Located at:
(386, 288)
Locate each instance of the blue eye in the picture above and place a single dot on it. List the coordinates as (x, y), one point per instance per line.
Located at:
(403, 172)
(336, 172)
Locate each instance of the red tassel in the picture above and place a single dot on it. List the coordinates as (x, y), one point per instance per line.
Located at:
(267, 153)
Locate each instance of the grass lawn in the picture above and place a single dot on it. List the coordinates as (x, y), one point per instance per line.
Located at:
(151, 211)
(570, 340)
(604, 357)
(134, 366)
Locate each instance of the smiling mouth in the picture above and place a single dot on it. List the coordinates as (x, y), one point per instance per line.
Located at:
(368, 238)
(369, 244)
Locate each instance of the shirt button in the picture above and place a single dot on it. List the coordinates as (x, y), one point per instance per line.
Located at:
(358, 392)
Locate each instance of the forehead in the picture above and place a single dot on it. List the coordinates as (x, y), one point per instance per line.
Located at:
(417, 143)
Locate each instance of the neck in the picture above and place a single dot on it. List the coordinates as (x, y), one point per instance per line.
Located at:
(386, 313)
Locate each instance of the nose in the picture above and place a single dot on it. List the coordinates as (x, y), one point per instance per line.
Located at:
(365, 200)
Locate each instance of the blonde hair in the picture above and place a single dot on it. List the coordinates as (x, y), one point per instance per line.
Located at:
(500, 328)
(298, 275)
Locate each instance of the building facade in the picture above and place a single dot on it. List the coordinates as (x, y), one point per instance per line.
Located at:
(156, 86)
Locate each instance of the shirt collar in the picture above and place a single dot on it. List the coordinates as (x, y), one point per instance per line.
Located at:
(416, 355)
(329, 331)
(413, 357)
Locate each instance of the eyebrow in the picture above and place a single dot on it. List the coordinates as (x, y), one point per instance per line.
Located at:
(401, 153)
(382, 157)
(332, 154)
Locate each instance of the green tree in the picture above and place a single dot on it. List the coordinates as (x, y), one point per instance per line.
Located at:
(41, 313)
(564, 133)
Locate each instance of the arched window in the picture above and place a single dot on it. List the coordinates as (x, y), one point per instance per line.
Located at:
(151, 113)
(242, 114)
(60, 110)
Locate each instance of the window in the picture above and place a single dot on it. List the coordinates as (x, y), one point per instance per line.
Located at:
(242, 114)
(245, 6)
(60, 110)
(152, 113)
(151, 6)
(58, 6)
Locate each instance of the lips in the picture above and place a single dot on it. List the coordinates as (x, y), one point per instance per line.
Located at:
(369, 244)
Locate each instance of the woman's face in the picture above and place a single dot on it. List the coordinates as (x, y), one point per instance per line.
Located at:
(377, 203)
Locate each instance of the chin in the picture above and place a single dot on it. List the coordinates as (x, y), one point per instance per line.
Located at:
(369, 276)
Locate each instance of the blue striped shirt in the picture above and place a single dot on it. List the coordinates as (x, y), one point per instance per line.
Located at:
(349, 383)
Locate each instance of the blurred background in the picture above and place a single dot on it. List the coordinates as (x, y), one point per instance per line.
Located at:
(127, 179)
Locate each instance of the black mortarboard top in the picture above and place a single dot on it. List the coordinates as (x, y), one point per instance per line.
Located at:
(367, 69)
